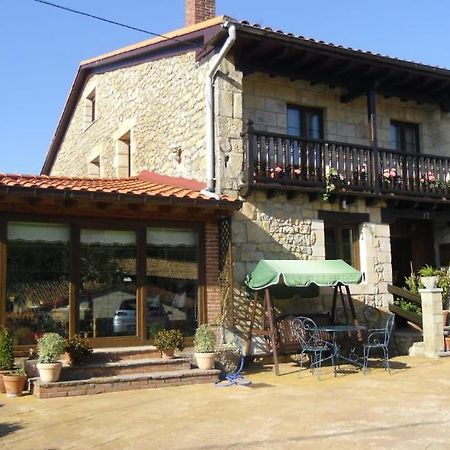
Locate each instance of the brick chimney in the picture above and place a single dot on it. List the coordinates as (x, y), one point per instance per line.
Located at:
(198, 11)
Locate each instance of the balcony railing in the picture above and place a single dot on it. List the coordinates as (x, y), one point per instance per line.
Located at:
(276, 159)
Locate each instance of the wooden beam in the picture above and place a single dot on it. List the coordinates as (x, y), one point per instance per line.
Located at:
(273, 341)
(141, 285)
(165, 208)
(34, 200)
(254, 304)
(70, 203)
(74, 280)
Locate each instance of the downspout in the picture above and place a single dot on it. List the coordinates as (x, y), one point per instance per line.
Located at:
(209, 110)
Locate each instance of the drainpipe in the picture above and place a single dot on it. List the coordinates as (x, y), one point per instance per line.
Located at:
(209, 98)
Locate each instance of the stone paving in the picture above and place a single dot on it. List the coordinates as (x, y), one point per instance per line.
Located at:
(409, 409)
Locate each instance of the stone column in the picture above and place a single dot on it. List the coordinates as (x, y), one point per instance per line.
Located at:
(433, 334)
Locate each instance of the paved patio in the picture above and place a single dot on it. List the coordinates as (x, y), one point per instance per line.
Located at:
(408, 409)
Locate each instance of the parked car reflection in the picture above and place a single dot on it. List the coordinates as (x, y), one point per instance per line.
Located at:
(124, 321)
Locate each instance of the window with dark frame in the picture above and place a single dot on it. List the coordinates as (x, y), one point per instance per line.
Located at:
(405, 136)
(305, 122)
(342, 242)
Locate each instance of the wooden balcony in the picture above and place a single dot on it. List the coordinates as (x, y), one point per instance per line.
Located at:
(276, 161)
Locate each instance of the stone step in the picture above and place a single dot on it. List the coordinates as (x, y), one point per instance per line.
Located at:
(125, 382)
(113, 354)
(109, 369)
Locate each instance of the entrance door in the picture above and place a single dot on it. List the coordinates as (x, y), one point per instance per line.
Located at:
(172, 279)
(412, 246)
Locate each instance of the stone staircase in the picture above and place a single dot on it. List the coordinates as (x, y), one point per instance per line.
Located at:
(111, 370)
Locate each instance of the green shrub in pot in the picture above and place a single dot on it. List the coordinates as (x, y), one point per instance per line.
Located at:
(6, 355)
(49, 347)
(205, 347)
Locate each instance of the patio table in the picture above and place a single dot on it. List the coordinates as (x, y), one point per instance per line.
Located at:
(344, 328)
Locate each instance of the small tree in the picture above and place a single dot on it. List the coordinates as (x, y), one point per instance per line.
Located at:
(6, 350)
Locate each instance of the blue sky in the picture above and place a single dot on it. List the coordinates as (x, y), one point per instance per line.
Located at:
(41, 47)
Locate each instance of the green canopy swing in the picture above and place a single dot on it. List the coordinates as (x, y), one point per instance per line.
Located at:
(300, 274)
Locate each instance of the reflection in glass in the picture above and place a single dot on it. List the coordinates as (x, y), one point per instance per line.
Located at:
(172, 279)
(37, 290)
(108, 283)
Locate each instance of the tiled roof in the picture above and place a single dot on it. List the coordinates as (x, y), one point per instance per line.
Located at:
(223, 19)
(166, 37)
(147, 184)
(246, 23)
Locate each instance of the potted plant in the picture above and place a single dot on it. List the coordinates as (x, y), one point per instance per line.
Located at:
(76, 348)
(429, 276)
(15, 382)
(50, 347)
(205, 346)
(167, 341)
(6, 355)
(228, 358)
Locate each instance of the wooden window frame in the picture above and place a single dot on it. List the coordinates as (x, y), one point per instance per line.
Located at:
(303, 121)
(338, 228)
(139, 227)
(402, 126)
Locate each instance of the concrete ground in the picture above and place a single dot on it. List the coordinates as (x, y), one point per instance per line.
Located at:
(408, 409)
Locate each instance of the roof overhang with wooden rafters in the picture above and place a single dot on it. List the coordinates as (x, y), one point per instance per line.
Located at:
(277, 53)
(115, 197)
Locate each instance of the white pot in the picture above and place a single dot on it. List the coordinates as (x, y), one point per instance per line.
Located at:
(430, 282)
(205, 361)
(50, 372)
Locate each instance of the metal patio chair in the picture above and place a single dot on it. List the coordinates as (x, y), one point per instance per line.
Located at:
(378, 338)
(312, 343)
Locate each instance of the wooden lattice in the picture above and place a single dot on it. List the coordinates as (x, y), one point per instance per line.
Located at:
(226, 270)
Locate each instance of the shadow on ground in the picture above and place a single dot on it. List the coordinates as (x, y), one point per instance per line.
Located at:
(8, 428)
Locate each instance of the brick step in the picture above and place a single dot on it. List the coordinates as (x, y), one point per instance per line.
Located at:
(123, 383)
(109, 369)
(113, 354)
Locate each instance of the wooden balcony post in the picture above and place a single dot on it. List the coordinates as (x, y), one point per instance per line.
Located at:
(373, 138)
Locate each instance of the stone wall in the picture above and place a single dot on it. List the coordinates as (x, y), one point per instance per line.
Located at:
(266, 98)
(229, 127)
(161, 104)
(278, 228)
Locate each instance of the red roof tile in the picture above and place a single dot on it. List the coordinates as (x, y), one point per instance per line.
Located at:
(146, 184)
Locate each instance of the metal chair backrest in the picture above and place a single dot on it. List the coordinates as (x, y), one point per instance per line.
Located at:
(307, 334)
(388, 328)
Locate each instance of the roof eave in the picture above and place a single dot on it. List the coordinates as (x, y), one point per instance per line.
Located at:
(118, 197)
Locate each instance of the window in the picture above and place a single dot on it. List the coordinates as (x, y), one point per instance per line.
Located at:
(405, 136)
(90, 108)
(123, 155)
(305, 122)
(37, 287)
(341, 242)
(107, 305)
(342, 235)
(172, 278)
(94, 167)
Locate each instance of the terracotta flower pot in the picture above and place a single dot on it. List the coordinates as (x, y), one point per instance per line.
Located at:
(48, 373)
(14, 384)
(2, 384)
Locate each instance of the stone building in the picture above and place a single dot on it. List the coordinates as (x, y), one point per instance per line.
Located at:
(335, 153)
